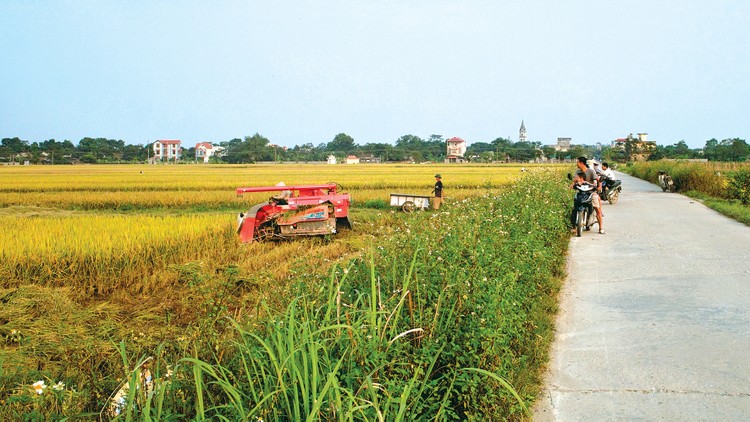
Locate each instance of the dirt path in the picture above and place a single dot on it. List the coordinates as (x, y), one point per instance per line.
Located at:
(655, 316)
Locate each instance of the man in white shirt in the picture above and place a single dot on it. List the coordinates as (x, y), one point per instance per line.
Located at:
(607, 172)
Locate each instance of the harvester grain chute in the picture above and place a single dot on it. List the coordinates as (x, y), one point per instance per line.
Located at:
(305, 210)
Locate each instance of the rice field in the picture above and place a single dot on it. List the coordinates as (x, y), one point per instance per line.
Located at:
(102, 228)
(91, 256)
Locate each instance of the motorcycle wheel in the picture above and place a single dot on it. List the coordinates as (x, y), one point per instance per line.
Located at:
(614, 196)
(580, 222)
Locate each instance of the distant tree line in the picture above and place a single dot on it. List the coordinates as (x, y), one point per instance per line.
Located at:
(734, 149)
(407, 148)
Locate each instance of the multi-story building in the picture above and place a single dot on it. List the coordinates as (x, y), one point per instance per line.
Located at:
(563, 144)
(639, 149)
(456, 148)
(168, 149)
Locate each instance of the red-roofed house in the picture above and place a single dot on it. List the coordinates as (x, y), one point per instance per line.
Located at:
(456, 150)
(352, 159)
(204, 151)
(168, 149)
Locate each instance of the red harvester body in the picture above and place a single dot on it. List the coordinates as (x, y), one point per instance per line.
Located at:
(306, 210)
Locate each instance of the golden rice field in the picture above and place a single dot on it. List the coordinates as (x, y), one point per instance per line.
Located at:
(93, 255)
(102, 228)
(133, 187)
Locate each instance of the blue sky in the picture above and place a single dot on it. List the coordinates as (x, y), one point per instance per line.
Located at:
(303, 71)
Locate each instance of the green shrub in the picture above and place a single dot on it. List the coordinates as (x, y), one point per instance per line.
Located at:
(739, 186)
(378, 204)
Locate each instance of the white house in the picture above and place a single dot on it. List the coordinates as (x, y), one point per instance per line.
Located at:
(168, 149)
(456, 148)
(331, 159)
(204, 151)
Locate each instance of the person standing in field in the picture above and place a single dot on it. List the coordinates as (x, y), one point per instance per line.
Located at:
(438, 192)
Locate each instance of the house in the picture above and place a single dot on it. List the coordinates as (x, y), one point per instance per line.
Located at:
(456, 148)
(563, 144)
(168, 149)
(204, 151)
(331, 159)
(369, 159)
(639, 148)
(352, 159)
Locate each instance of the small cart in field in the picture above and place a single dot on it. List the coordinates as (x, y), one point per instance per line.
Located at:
(409, 202)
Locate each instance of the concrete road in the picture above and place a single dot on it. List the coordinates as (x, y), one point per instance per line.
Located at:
(654, 320)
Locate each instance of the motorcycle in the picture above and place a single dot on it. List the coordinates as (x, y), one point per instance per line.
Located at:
(610, 190)
(584, 207)
(666, 182)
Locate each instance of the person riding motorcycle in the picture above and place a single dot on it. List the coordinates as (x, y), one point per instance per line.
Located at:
(578, 180)
(607, 174)
(591, 178)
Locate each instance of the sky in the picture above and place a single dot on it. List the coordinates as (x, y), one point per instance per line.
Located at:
(301, 71)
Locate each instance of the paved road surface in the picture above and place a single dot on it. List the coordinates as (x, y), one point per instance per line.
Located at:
(654, 321)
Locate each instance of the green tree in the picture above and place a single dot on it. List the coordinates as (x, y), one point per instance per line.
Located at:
(710, 149)
(136, 153)
(386, 152)
(12, 148)
(412, 146)
(682, 150)
(435, 149)
(342, 143)
(549, 152)
(250, 150)
(738, 150)
(256, 148)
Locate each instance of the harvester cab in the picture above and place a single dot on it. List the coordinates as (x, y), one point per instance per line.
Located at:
(305, 210)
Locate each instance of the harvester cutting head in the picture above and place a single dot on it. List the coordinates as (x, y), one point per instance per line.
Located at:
(306, 210)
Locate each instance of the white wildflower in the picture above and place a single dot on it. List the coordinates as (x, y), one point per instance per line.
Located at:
(39, 387)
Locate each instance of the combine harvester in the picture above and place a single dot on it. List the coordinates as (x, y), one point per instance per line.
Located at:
(308, 210)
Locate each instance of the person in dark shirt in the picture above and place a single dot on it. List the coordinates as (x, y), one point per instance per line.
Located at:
(438, 192)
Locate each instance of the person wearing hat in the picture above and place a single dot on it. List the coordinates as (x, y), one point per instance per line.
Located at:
(438, 192)
(592, 179)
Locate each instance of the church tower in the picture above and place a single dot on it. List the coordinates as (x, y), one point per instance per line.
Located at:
(522, 133)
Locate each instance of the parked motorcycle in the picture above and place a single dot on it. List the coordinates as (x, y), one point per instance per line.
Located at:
(610, 190)
(584, 207)
(666, 182)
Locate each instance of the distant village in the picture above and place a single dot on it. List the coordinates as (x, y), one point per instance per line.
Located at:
(343, 150)
(457, 150)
